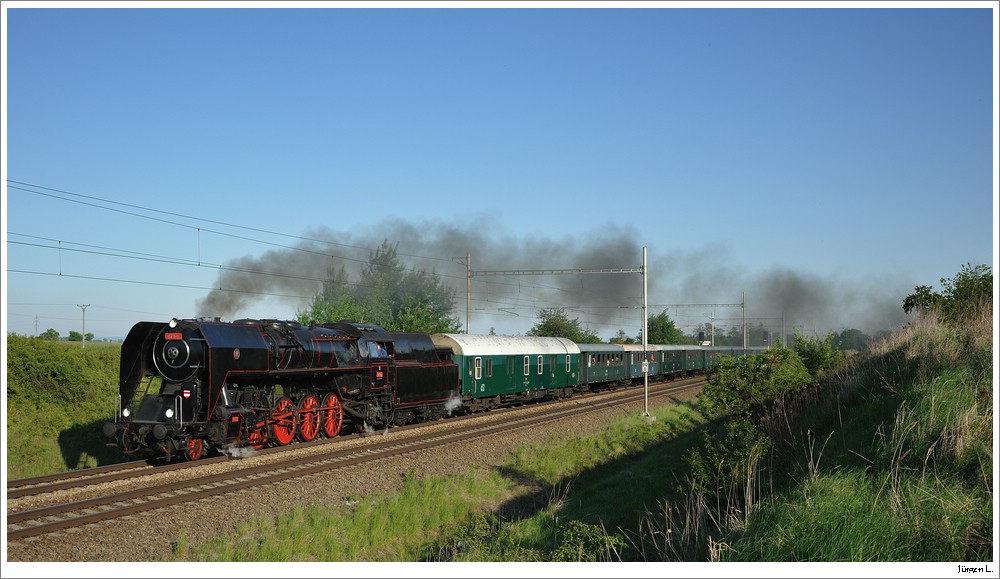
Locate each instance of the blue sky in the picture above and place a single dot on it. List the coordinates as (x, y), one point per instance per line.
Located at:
(822, 162)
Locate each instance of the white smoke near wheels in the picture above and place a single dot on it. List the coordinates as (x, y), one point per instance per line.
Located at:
(239, 451)
(452, 404)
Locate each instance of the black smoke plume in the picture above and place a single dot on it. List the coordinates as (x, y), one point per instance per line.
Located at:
(685, 282)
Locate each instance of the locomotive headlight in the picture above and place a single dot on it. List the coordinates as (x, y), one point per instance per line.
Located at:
(126, 412)
(169, 413)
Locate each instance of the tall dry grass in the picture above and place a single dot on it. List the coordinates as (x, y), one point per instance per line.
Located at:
(905, 428)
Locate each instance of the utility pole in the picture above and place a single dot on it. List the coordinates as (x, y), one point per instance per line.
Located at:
(645, 339)
(645, 300)
(468, 293)
(83, 338)
(468, 290)
(744, 321)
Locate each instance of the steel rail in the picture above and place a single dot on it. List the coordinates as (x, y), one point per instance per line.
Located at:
(90, 511)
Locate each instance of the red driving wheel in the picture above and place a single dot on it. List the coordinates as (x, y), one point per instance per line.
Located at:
(308, 418)
(283, 421)
(333, 415)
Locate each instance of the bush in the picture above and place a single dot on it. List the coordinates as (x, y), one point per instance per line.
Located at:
(723, 465)
(584, 542)
(58, 394)
(748, 382)
(818, 355)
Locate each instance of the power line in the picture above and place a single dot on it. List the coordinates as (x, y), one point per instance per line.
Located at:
(192, 218)
(162, 259)
(114, 252)
(151, 283)
(226, 224)
(183, 225)
(62, 246)
(102, 203)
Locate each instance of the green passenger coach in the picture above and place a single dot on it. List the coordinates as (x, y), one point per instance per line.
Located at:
(498, 370)
(603, 366)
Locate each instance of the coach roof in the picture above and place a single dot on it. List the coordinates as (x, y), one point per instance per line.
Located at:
(478, 345)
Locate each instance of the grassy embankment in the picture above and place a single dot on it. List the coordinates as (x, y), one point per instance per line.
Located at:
(887, 458)
(58, 395)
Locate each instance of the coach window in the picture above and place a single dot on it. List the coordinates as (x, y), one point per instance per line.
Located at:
(479, 367)
(567, 363)
(527, 365)
(489, 367)
(540, 363)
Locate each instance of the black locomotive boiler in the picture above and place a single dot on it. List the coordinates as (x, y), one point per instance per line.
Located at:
(191, 386)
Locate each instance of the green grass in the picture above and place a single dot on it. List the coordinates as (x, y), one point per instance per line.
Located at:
(394, 527)
(551, 495)
(906, 469)
(849, 516)
(58, 395)
(889, 459)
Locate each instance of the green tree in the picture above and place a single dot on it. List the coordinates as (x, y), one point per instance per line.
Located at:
(49, 334)
(734, 337)
(553, 322)
(388, 294)
(622, 338)
(923, 298)
(335, 302)
(962, 296)
(967, 292)
(662, 330)
(851, 339)
(75, 336)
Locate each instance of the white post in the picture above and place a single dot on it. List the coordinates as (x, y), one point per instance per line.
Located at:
(83, 340)
(468, 293)
(645, 334)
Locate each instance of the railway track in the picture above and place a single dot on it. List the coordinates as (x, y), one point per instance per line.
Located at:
(115, 472)
(19, 488)
(62, 516)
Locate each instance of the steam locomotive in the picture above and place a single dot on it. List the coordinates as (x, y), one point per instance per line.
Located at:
(188, 387)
